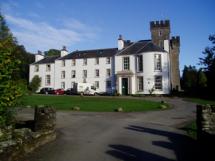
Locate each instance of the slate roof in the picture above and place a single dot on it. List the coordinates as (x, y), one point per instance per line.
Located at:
(140, 47)
(109, 52)
(47, 60)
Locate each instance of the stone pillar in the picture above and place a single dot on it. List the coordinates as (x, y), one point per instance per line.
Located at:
(205, 121)
(45, 119)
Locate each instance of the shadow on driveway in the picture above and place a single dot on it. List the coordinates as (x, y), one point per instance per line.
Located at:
(184, 147)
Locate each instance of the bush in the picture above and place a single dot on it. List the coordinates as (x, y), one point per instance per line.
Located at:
(34, 84)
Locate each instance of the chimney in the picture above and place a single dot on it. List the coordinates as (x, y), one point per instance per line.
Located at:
(120, 43)
(39, 56)
(63, 52)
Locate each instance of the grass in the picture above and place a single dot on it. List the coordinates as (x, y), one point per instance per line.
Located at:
(200, 101)
(94, 104)
(191, 129)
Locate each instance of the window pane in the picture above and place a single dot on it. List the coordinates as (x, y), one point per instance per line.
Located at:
(157, 62)
(140, 83)
(158, 82)
(126, 63)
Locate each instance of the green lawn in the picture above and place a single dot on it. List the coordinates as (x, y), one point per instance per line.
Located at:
(99, 104)
(199, 101)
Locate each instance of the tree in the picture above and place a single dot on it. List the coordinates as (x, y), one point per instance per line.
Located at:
(202, 79)
(208, 62)
(35, 83)
(52, 52)
(189, 78)
(9, 91)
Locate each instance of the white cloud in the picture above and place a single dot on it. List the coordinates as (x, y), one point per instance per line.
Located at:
(43, 36)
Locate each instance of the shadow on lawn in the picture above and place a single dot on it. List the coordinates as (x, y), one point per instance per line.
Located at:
(184, 147)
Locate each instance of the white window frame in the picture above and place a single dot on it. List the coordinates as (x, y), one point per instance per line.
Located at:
(97, 84)
(140, 84)
(63, 63)
(85, 61)
(84, 73)
(48, 67)
(73, 74)
(139, 66)
(157, 62)
(48, 80)
(97, 73)
(36, 68)
(108, 60)
(126, 63)
(158, 83)
(108, 72)
(63, 85)
(73, 62)
(96, 61)
(63, 74)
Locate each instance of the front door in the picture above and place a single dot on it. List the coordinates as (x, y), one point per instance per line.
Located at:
(124, 86)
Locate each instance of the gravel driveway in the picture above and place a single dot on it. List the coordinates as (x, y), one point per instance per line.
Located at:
(139, 136)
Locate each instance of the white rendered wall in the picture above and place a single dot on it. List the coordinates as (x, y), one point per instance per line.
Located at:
(42, 74)
(79, 67)
(148, 72)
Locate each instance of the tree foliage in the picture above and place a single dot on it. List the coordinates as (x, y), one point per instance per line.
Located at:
(35, 83)
(193, 80)
(208, 62)
(52, 52)
(9, 91)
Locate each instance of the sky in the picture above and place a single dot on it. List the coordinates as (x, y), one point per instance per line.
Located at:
(90, 24)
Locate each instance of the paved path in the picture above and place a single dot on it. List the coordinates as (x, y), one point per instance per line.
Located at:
(148, 136)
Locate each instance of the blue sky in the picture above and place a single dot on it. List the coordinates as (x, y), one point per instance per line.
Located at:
(89, 24)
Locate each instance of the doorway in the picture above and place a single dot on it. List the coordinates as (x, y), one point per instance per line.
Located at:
(124, 86)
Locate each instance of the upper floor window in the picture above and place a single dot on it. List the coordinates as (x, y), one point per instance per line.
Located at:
(73, 62)
(63, 63)
(85, 61)
(139, 63)
(126, 63)
(73, 74)
(158, 83)
(84, 73)
(140, 83)
(48, 67)
(63, 74)
(108, 60)
(97, 72)
(36, 68)
(157, 62)
(108, 72)
(96, 61)
(48, 80)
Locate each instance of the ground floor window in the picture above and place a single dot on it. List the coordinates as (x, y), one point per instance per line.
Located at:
(158, 83)
(140, 83)
(72, 84)
(97, 84)
(48, 80)
(108, 84)
(63, 85)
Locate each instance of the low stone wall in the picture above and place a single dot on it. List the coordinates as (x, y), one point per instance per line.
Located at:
(25, 140)
(206, 122)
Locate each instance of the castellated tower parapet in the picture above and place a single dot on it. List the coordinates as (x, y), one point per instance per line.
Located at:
(159, 24)
(175, 41)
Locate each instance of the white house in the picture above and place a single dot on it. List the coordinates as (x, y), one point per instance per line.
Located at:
(142, 67)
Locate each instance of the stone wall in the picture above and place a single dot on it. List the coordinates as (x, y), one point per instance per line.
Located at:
(206, 122)
(25, 140)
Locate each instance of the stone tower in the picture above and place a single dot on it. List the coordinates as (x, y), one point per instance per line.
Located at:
(160, 33)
